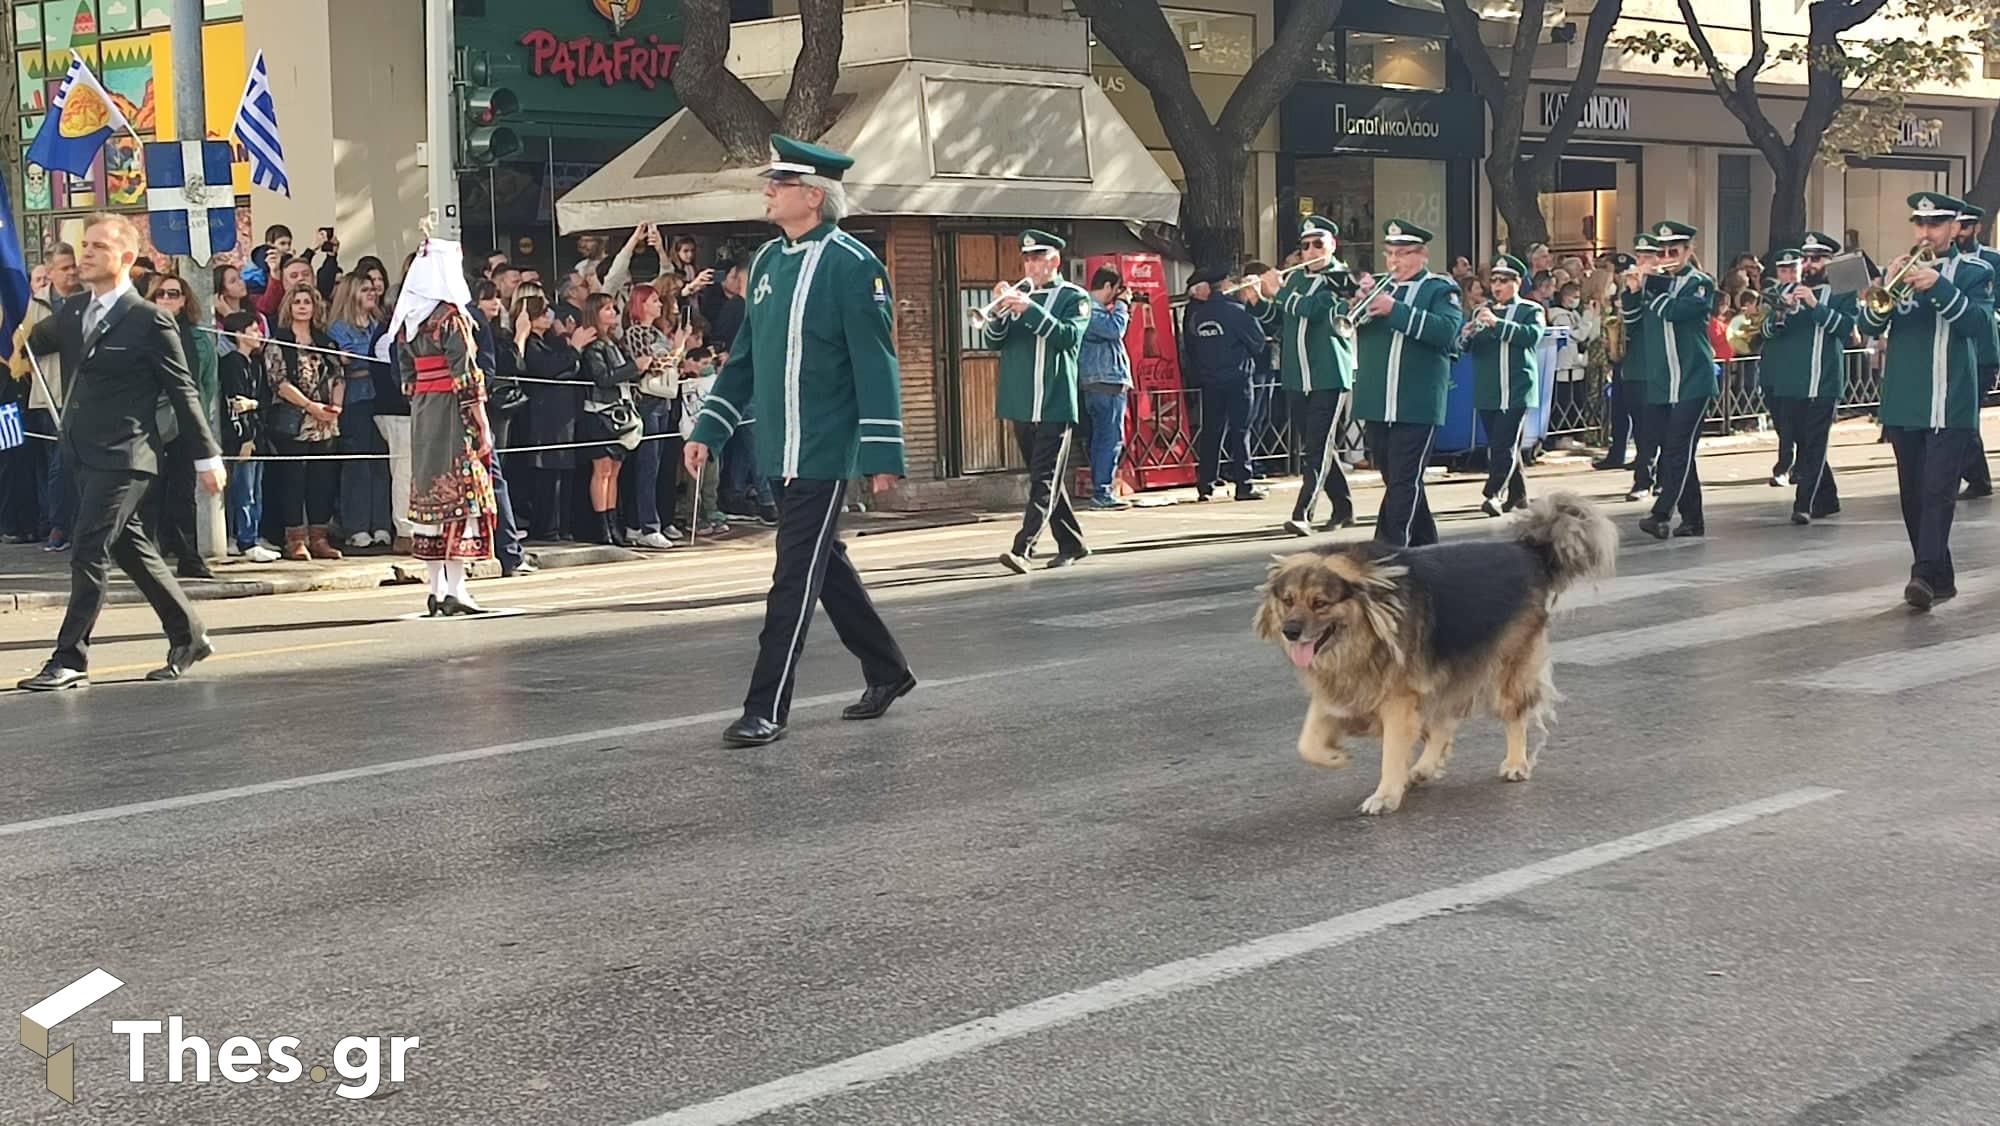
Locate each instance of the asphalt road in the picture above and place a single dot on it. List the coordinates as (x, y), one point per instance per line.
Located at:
(1078, 877)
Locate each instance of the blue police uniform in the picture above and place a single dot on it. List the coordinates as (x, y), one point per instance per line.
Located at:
(1224, 344)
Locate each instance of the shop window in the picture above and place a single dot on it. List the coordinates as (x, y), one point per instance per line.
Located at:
(1367, 58)
(1212, 42)
(1362, 192)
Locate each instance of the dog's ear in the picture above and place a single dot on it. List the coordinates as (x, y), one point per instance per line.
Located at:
(1266, 624)
(1377, 587)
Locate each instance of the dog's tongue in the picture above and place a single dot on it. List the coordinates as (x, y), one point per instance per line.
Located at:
(1301, 652)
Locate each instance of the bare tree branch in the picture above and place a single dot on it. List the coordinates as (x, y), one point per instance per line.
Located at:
(809, 103)
(1486, 76)
(1137, 33)
(717, 98)
(1596, 34)
(1277, 69)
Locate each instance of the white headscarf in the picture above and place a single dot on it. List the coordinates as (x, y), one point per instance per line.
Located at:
(437, 275)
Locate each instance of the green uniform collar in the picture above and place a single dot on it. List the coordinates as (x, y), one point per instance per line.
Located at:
(814, 235)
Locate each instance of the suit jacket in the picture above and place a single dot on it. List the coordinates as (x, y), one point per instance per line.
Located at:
(129, 390)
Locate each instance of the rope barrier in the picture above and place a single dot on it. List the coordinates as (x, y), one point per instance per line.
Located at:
(386, 457)
(358, 357)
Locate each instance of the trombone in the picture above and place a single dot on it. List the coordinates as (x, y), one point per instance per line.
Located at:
(1288, 271)
(981, 315)
(1882, 298)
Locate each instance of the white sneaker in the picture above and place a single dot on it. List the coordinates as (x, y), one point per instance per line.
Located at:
(261, 554)
(1491, 507)
(360, 540)
(383, 539)
(1298, 527)
(653, 540)
(234, 551)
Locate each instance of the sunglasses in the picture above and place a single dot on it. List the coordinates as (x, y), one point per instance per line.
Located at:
(170, 293)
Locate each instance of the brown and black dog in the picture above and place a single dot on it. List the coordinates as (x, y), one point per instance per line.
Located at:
(1409, 644)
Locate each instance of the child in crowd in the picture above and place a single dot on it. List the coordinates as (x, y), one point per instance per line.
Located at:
(698, 368)
(241, 374)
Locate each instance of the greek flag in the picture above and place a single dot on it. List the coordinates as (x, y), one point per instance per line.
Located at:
(11, 434)
(257, 127)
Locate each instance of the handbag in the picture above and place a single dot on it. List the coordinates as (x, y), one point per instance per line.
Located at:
(620, 419)
(663, 382)
(507, 395)
(283, 420)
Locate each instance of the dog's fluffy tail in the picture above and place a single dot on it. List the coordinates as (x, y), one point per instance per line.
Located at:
(1574, 539)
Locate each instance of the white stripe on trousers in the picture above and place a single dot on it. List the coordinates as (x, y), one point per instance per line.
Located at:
(1514, 453)
(1410, 520)
(1055, 491)
(1687, 470)
(1325, 455)
(807, 600)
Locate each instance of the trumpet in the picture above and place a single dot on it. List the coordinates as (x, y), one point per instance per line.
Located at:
(981, 315)
(1288, 271)
(1357, 315)
(1882, 298)
(1472, 326)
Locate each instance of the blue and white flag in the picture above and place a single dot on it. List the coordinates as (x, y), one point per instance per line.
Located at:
(257, 127)
(191, 196)
(11, 432)
(81, 120)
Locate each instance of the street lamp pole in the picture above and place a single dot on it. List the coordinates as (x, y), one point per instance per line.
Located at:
(191, 124)
(441, 112)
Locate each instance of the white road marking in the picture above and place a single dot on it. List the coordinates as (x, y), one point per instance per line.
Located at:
(870, 1068)
(1901, 670)
(1627, 587)
(1614, 646)
(1151, 611)
(450, 758)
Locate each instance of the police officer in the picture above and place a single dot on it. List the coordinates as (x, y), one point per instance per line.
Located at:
(1979, 475)
(1804, 368)
(815, 359)
(1503, 337)
(1316, 367)
(1637, 375)
(1224, 345)
(1038, 331)
(1679, 301)
(1930, 387)
(1406, 330)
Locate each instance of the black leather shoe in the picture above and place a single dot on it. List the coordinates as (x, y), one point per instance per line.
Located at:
(875, 700)
(433, 607)
(1604, 463)
(193, 569)
(1690, 531)
(1976, 492)
(1064, 559)
(1343, 517)
(748, 732)
(1920, 595)
(1655, 527)
(1801, 519)
(181, 658)
(451, 608)
(1251, 494)
(55, 678)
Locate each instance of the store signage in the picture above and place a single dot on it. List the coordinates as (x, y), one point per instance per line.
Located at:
(1920, 133)
(1322, 117)
(586, 58)
(1602, 113)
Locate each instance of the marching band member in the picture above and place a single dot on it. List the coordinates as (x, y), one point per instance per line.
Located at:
(1979, 475)
(1637, 373)
(1502, 338)
(1678, 303)
(1404, 338)
(1930, 384)
(1804, 368)
(1316, 368)
(1039, 332)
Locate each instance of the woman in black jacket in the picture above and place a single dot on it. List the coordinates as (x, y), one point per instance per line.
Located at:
(548, 352)
(610, 420)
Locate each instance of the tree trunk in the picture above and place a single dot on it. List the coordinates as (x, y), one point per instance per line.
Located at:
(1788, 204)
(1986, 188)
(1517, 197)
(718, 99)
(809, 104)
(1212, 205)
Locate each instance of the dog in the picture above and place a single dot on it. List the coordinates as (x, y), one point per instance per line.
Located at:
(1408, 644)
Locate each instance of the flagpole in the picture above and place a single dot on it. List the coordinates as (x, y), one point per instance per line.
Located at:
(55, 408)
(191, 124)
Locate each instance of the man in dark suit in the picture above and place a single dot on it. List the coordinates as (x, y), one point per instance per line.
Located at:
(127, 375)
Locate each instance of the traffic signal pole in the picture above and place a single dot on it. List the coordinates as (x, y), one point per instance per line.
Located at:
(211, 526)
(440, 111)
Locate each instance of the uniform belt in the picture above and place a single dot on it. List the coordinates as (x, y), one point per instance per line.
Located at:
(434, 385)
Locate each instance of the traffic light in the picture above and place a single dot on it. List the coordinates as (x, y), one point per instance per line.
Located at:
(483, 138)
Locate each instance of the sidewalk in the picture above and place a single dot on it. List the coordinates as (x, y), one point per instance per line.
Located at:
(33, 579)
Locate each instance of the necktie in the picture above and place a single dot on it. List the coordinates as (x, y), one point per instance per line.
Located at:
(90, 318)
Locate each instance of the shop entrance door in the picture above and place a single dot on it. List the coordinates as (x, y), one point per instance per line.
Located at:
(1594, 209)
(980, 442)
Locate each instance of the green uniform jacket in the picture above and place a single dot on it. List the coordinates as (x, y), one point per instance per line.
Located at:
(1679, 355)
(1987, 348)
(1634, 368)
(1503, 357)
(1038, 354)
(814, 363)
(1402, 370)
(1805, 353)
(1314, 357)
(1930, 380)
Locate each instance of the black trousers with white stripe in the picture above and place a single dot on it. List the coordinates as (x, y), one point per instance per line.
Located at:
(1810, 424)
(1679, 428)
(813, 568)
(1503, 453)
(1978, 474)
(1928, 466)
(1316, 414)
(1045, 447)
(1401, 450)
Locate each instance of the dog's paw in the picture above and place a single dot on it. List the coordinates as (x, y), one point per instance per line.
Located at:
(1515, 771)
(1332, 758)
(1382, 801)
(1426, 772)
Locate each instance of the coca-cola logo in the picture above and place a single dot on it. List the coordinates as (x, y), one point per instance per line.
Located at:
(584, 58)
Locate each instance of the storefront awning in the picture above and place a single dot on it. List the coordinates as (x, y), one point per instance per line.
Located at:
(928, 138)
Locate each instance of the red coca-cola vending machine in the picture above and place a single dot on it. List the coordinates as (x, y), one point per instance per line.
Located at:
(1159, 441)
